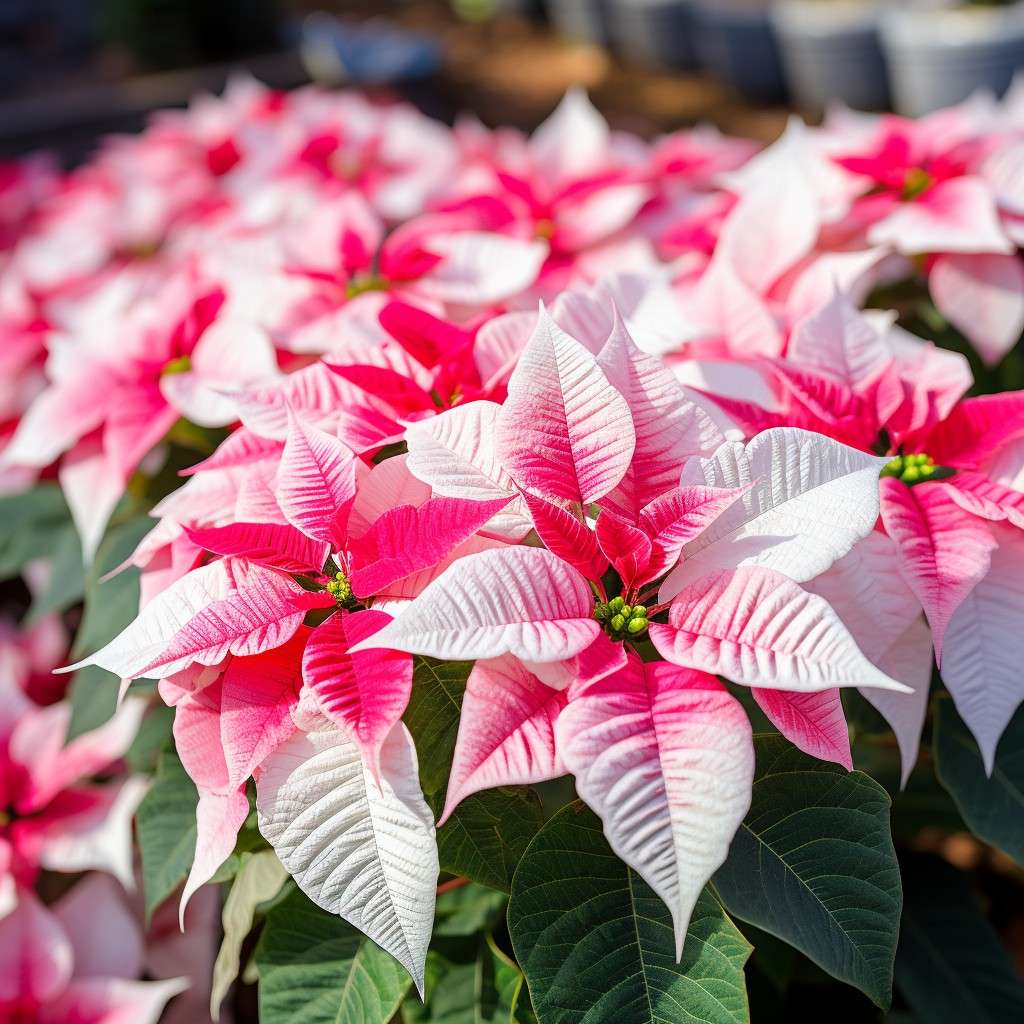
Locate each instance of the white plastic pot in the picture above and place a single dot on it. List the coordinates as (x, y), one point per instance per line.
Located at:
(655, 32)
(831, 50)
(939, 57)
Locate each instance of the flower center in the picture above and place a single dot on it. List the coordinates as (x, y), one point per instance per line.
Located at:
(917, 181)
(345, 165)
(180, 365)
(621, 621)
(362, 283)
(544, 229)
(914, 469)
(341, 590)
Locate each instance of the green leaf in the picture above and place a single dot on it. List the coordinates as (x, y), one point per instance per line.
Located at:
(993, 808)
(111, 605)
(66, 584)
(488, 833)
(314, 968)
(813, 863)
(951, 966)
(468, 983)
(93, 697)
(259, 879)
(166, 827)
(32, 520)
(468, 909)
(433, 717)
(596, 944)
(152, 739)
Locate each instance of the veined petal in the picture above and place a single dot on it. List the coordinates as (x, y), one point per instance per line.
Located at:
(669, 427)
(886, 622)
(223, 806)
(943, 551)
(759, 628)
(265, 614)
(566, 536)
(840, 341)
(814, 722)
(976, 429)
(365, 693)
(408, 539)
(627, 547)
(277, 545)
(564, 431)
(516, 600)
(316, 482)
(454, 453)
(128, 654)
(506, 731)
(674, 519)
(985, 647)
(664, 756)
(257, 696)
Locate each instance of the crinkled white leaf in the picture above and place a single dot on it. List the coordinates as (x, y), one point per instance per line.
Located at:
(365, 853)
(812, 499)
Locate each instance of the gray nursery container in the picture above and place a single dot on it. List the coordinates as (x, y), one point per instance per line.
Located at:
(736, 42)
(586, 20)
(832, 51)
(654, 32)
(939, 57)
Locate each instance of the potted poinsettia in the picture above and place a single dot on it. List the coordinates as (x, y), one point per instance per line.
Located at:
(939, 55)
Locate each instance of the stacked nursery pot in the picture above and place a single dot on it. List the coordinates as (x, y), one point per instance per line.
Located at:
(586, 20)
(736, 41)
(831, 51)
(938, 56)
(656, 32)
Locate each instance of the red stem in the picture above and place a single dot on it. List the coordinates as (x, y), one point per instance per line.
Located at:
(452, 883)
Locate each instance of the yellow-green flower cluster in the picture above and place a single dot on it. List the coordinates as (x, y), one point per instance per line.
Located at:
(340, 589)
(911, 469)
(621, 621)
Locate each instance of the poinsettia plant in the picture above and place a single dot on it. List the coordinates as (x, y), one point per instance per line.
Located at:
(545, 578)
